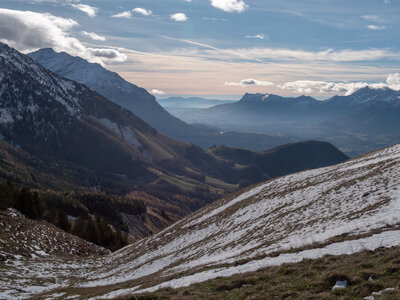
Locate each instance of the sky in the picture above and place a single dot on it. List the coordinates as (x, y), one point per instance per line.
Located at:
(220, 48)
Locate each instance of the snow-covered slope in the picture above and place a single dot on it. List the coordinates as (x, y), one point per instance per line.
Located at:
(334, 210)
(90, 74)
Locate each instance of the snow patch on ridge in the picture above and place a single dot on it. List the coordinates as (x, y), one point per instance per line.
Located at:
(127, 133)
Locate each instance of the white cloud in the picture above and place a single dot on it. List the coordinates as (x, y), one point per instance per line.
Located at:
(346, 55)
(393, 81)
(125, 14)
(230, 5)
(142, 11)
(348, 88)
(29, 31)
(248, 82)
(214, 19)
(87, 9)
(157, 92)
(93, 36)
(267, 55)
(258, 36)
(375, 27)
(372, 18)
(179, 17)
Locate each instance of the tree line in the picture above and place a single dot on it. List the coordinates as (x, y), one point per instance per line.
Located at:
(97, 217)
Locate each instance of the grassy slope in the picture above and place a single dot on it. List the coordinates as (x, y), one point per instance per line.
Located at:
(309, 279)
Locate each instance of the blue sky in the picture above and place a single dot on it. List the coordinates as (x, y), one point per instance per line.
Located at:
(220, 47)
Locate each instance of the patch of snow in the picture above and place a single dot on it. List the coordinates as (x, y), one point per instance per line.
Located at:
(339, 285)
(130, 136)
(372, 297)
(127, 133)
(386, 239)
(5, 116)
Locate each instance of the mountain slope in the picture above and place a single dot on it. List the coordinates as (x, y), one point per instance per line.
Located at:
(336, 210)
(36, 241)
(113, 87)
(144, 105)
(56, 119)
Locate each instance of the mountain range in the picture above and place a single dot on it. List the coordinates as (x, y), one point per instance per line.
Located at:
(332, 213)
(59, 134)
(357, 123)
(144, 105)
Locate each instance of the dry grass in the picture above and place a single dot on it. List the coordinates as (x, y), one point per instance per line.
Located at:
(309, 279)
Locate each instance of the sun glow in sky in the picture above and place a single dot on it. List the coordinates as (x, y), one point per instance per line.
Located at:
(220, 47)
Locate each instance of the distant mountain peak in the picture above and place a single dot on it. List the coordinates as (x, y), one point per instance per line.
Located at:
(273, 98)
(367, 95)
(257, 97)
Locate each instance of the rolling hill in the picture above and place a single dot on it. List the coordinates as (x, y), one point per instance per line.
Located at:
(284, 159)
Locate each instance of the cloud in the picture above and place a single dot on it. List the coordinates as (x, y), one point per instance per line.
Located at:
(142, 11)
(93, 36)
(257, 36)
(346, 55)
(214, 19)
(125, 14)
(267, 55)
(105, 55)
(128, 14)
(227, 53)
(87, 9)
(375, 27)
(348, 88)
(230, 5)
(372, 18)
(393, 81)
(157, 92)
(248, 82)
(28, 31)
(179, 17)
